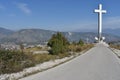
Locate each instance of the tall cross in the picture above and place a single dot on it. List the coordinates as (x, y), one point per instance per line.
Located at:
(100, 12)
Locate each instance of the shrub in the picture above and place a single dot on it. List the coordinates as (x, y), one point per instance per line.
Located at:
(79, 48)
(81, 43)
(13, 61)
(58, 44)
(40, 58)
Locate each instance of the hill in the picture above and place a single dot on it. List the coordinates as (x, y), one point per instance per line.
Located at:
(112, 31)
(5, 32)
(29, 36)
(32, 36)
(89, 36)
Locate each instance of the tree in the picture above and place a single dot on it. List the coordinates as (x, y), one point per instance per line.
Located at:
(81, 43)
(58, 43)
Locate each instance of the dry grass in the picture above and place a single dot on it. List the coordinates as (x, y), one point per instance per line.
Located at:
(115, 46)
(78, 48)
(11, 61)
(32, 49)
(40, 58)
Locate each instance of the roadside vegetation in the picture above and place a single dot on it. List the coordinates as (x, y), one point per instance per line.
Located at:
(116, 46)
(14, 61)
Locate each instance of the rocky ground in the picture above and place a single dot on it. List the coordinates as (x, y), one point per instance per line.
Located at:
(116, 51)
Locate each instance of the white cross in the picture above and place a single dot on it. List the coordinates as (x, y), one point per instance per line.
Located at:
(100, 11)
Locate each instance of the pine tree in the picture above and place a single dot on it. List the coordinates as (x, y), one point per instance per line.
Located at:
(81, 43)
(58, 43)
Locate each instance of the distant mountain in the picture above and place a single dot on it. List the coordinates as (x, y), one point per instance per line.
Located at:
(107, 31)
(5, 31)
(112, 31)
(89, 36)
(32, 36)
(29, 36)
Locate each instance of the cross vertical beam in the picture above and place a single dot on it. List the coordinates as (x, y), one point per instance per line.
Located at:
(100, 12)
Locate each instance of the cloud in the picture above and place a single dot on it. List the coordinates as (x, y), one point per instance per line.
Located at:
(24, 7)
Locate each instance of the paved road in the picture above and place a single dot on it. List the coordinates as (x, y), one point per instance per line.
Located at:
(99, 63)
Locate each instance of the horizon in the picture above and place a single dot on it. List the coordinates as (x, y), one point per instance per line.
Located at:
(80, 30)
(60, 15)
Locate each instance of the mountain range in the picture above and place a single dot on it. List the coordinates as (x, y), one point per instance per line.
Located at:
(33, 36)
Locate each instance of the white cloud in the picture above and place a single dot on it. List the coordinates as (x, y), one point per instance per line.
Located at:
(24, 7)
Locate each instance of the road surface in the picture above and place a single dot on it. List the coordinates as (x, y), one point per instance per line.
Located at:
(99, 63)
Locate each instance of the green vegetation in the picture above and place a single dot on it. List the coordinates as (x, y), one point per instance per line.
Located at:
(78, 47)
(21, 47)
(81, 43)
(14, 61)
(58, 44)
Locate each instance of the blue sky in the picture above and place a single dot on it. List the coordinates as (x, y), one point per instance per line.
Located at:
(58, 15)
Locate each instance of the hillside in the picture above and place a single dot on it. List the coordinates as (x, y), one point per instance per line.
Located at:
(5, 32)
(90, 36)
(29, 36)
(32, 36)
(113, 31)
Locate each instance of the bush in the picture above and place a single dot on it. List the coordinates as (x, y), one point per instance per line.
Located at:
(13, 61)
(58, 44)
(40, 58)
(79, 48)
(81, 43)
